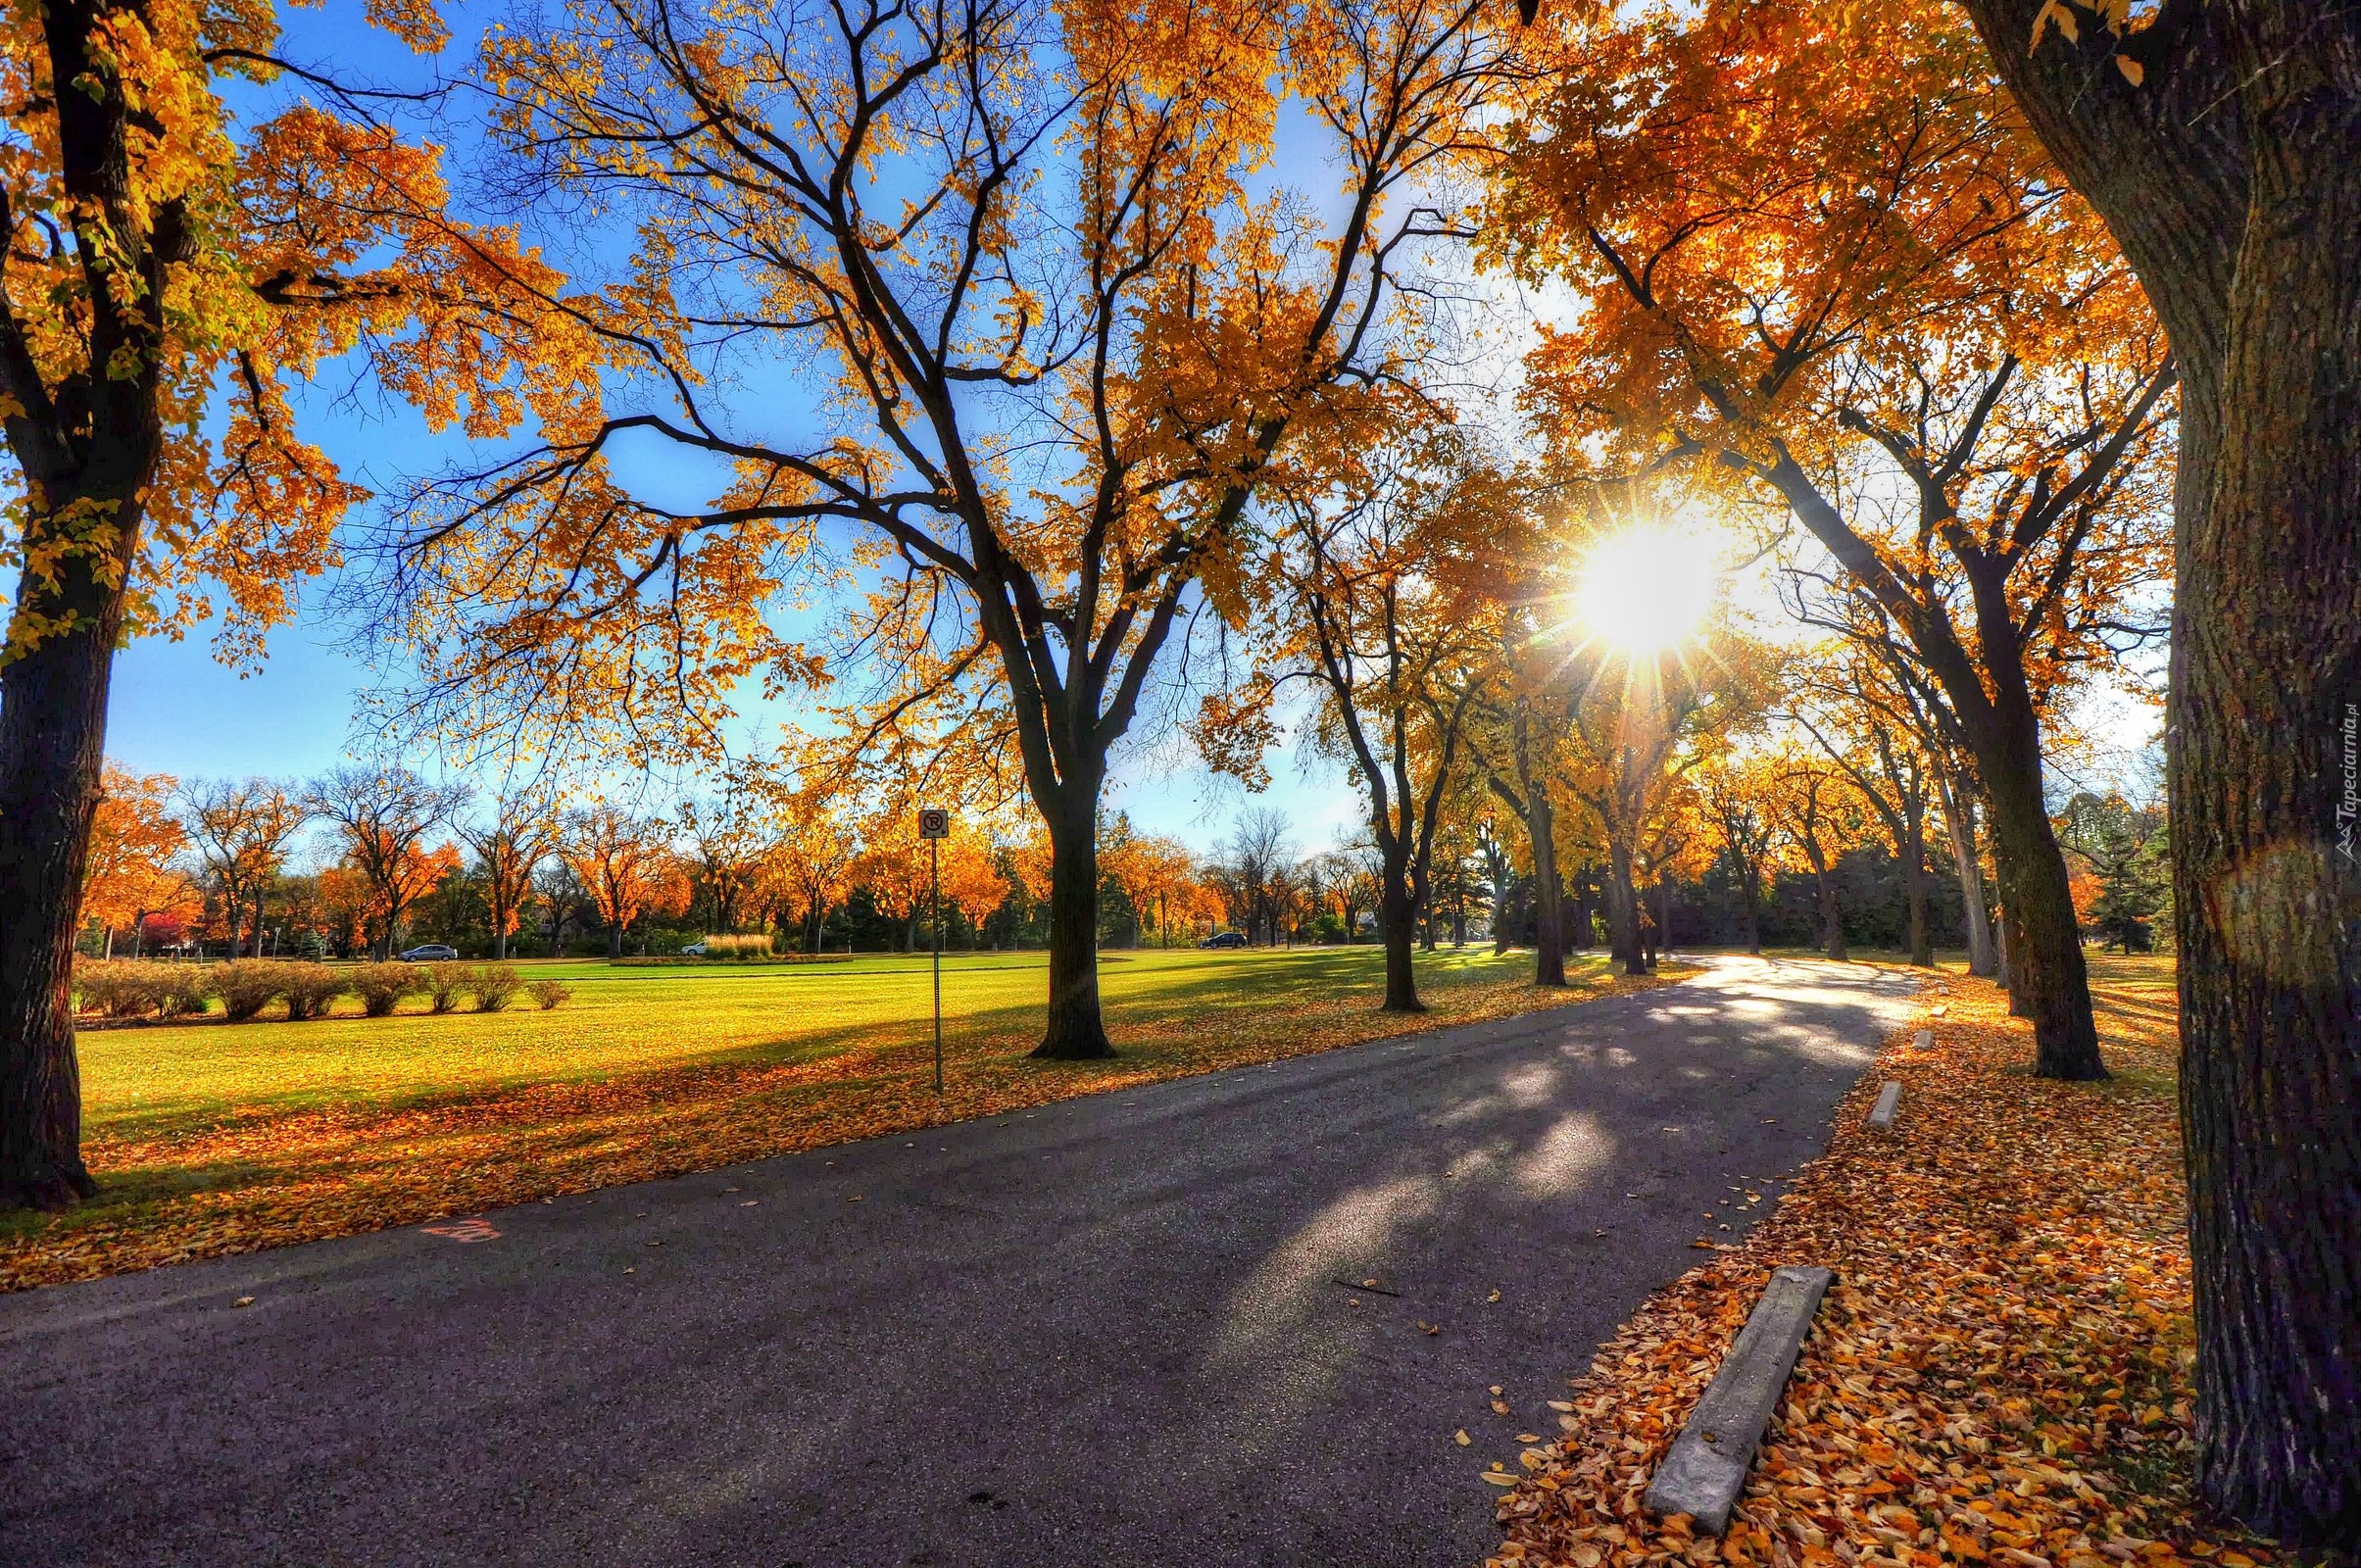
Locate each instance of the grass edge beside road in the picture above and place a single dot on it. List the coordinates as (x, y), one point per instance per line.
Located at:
(250, 1182)
(2001, 1373)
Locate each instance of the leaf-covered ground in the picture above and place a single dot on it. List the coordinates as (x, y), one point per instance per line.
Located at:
(1999, 1375)
(210, 1139)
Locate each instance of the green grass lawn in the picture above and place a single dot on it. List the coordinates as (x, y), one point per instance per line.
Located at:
(208, 1137)
(156, 1079)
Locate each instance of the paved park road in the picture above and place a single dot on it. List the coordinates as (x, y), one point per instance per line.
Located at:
(1108, 1332)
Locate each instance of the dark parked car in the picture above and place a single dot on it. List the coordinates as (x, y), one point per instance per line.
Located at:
(1224, 939)
(431, 953)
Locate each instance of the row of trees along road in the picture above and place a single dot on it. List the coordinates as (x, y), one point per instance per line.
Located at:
(1078, 349)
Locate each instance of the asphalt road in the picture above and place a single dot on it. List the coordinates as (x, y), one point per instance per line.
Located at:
(1124, 1330)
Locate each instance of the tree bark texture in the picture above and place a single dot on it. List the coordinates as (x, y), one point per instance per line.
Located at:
(1398, 920)
(1075, 1030)
(1623, 910)
(52, 726)
(2052, 983)
(1914, 892)
(2230, 177)
(1959, 819)
(1832, 914)
(1549, 908)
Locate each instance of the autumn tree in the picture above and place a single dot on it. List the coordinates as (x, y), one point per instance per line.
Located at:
(1857, 718)
(134, 841)
(1739, 799)
(1250, 870)
(1827, 263)
(1063, 331)
(621, 861)
(241, 831)
(1819, 813)
(1156, 873)
(2216, 141)
(809, 863)
(382, 817)
(2122, 848)
(1644, 713)
(1515, 736)
(167, 270)
(510, 848)
(1386, 602)
(725, 840)
(1351, 876)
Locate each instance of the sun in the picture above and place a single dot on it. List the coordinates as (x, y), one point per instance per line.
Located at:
(1646, 591)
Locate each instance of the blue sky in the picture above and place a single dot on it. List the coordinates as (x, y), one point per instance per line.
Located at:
(177, 710)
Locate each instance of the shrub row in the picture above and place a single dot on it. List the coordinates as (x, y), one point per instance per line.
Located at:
(128, 987)
(757, 946)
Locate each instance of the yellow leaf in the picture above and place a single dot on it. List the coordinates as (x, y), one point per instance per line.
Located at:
(1462, 1437)
(2132, 71)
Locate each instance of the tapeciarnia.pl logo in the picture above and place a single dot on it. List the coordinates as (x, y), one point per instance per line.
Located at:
(2349, 808)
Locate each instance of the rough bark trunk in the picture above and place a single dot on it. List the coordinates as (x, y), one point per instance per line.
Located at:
(52, 726)
(1075, 1030)
(1549, 913)
(2004, 968)
(2228, 178)
(2265, 707)
(1915, 891)
(1397, 918)
(1831, 914)
(1623, 910)
(1960, 817)
(500, 944)
(615, 942)
(2045, 942)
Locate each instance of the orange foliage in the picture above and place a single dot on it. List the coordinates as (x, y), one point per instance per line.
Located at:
(2000, 1372)
(134, 842)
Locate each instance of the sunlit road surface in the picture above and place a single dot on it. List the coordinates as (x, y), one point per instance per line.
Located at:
(1125, 1329)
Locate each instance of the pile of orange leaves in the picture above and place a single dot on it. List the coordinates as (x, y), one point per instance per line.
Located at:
(2000, 1373)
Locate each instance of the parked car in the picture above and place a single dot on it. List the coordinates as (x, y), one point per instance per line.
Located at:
(431, 953)
(1224, 939)
(695, 950)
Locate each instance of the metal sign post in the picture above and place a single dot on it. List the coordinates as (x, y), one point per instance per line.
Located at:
(934, 826)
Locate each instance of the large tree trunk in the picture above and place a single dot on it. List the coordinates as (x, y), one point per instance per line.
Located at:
(1832, 914)
(1578, 929)
(53, 728)
(1749, 894)
(615, 941)
(2266, 822)
(2004, 968)
(1075, 1030)
(2044, 939)
(1960, 817)
(1623, 910)
(500, 941)
(1914, 890)
(1548, 911)
(1397, 918)
(2229, 178)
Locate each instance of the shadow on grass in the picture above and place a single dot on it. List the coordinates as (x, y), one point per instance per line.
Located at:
(1150, 1002)
(261, 1176)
